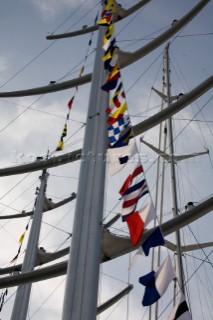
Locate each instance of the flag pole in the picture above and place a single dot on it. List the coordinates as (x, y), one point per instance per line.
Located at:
(180, 274)
(22, 298)
(80, 300)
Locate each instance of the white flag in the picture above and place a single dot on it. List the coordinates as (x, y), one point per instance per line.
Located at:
(181, 310)
(118, 157)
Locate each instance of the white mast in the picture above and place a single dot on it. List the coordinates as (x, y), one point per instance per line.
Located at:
(80, 301)
(174, 199)
(23, 293)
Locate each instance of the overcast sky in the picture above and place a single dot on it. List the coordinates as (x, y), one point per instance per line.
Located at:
(28, 60)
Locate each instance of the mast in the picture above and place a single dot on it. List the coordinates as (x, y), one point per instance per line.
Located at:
(23, 293)
(80, 301)
(174, 199)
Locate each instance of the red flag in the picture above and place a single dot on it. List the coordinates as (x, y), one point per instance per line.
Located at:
(138, 220)
(136, 227)
(70, 102)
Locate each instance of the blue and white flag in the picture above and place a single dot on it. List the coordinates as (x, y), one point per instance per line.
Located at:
(181, 310)
(157, 282)
(154, 240)
(115, 131)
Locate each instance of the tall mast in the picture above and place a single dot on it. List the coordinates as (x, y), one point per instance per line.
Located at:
(80, 301)
(174, 200)
(23, 293)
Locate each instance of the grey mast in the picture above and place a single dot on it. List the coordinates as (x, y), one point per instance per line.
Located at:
(23, 292)
(80, 301)
(174, 199)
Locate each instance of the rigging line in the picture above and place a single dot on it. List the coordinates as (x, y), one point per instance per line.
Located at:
(198, 290)
(15, 185)
(64, 133)
(73, 143)
(88, 12)
(60, 198)
(153, 62)
(32, 60)
(141, 114)
(191, 185)
(190, 121)
(59, 246)
(127, 24)
(193, 118)
(11, 236)
(182, 36)
(199, 245)
(124, 230)
(150, 93)
(20, 114)
(55, 175)
(192, 275)
(54, 227)
(128, 300)
(197, 258)
(76, 10)
(45, 236)
(10, 297)
(195, 102)
(115, 308)
(194, 132)
(11, 219)
(180, 181)
(187, 286)
(158, 31)
(7, 206)
(105, 196)
(48, 297)
(27, 108)
(38, 110)
(72, 70)
(83, 125)
(29, 63)
(196, 120)
(66, 146)
(20, 196)
(144, 314)
(114, 278)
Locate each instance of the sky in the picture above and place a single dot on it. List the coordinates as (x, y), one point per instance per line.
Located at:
(28, 60)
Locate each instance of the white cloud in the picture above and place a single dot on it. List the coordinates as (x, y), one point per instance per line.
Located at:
(50, 8)
(3, 63)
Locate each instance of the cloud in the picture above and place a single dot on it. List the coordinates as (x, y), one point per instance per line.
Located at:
(3, 63)
(50, 8)
(3, 67)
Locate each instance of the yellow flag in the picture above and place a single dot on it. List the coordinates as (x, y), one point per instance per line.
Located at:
(60, 145)
(120, 110)
(114, 71)
(22, 237)
(109, 33)
(81, 71)
(64, 133)
(109, 5)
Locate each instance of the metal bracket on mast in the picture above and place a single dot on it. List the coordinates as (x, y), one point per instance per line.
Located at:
(175, 158)
(164, 96)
